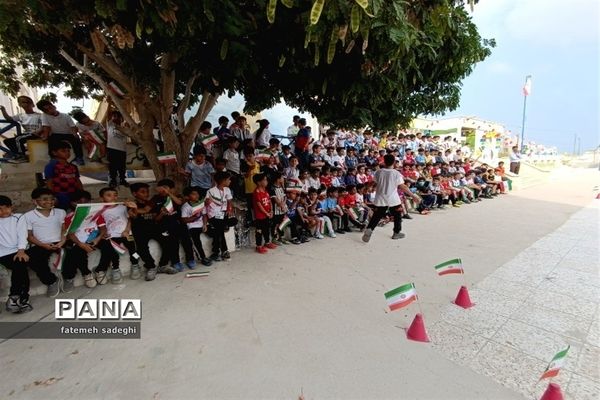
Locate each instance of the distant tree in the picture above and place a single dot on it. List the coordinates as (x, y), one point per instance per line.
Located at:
(350, 63)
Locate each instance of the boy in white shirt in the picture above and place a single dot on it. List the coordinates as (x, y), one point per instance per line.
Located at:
(13, 241)
(118, 231)
(218, 209)
(193, 214)
(45, 233)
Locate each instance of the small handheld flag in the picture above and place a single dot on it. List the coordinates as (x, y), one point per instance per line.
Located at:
(556, 364)
(118, 248)
(209, 139)
(197, 207)
(401, 296)
(527, 86)
(284, 223)
(453, 266)
(167, 158)
(354, 213)
(60, 259)
(169, 205)
(263, 155)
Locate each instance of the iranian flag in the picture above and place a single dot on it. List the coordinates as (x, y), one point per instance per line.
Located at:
(87, 213)
(263, 155)
(209, 139)
(198, 207)
(556, 364)
(354, 213)
(167, 158)
(60, 259)
(293, 186)
(118, 248)
(284, 223)
(169, 205)
(527, 86)
(450, 267)
(401, 296)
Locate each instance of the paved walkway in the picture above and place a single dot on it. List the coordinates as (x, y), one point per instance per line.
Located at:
(313, 317)
(544, 299)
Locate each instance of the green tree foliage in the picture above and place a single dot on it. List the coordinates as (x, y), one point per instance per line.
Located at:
(350, 63)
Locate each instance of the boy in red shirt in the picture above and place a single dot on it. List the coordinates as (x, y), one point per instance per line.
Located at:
(347, 202)
(261, 203)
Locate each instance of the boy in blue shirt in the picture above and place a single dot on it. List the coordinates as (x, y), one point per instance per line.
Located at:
(200, 172)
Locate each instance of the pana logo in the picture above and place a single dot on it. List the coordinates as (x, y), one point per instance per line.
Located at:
(98, 309)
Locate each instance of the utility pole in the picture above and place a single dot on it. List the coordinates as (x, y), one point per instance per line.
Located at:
(526, 91)
(574, 143)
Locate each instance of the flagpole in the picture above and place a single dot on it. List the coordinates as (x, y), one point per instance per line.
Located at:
(524, 111)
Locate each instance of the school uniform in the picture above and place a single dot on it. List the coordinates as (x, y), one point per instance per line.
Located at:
(13, 237)
(47, 230)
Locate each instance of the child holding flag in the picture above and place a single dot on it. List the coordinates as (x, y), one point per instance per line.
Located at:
(83, 240)
(13, 241)
(45, 233)
(193, 214)
(93, 134)
(118, 239)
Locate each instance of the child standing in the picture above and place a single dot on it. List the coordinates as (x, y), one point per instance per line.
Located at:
(93, 134)
(118, 231)
(193, 214)
(218, 209)
(277, 193)
(13, 241)
(45, 233)
(116, 150)
(200, 171)
(62, 177)
(81, 243)
(263, 214)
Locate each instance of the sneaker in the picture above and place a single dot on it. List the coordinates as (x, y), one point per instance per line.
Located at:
(272, 246)
(53, 289)
(340, 231)
(166, 269)
(151, 274)
(277, 242)
(12, 304)
(226, 255)
(216, 257)
(406, 216)
(178, 266)
(332, 235)
(89, 281)
(206, 262)
(261, 249)
(116, 277)
(398, 235)
(191, 264)
(101, 278)
(304, 239)
(24, 305)
(367, 235)
(318, 235)
(347, 229)
(68, 285)
(456, 205)
(284, 241)
(136, 272)
(296, 241)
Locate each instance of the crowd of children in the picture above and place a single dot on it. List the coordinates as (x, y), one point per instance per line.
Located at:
(290, 197)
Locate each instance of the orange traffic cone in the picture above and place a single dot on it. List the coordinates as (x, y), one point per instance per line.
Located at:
(462, 298)
(552, 393)
(417, 330)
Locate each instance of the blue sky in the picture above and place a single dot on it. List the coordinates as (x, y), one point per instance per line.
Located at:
(555, 41)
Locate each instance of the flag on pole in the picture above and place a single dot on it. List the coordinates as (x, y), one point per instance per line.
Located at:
(118, 248)
(556, 364)
(60, 259)
(401, 296)
(450, 267)
(209, 139)
(87, 213)
(284, 223)
(169, 205)
(197, 207)
(167, 158)
(527, 86)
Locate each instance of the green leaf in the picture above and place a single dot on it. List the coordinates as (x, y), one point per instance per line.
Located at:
(271, 11)
(315, 11)
(288, 3)
(224, 49)
(281, 61)
(139, 28)
(121, 5)
(355, 19)
(363, 3)
(332, 43)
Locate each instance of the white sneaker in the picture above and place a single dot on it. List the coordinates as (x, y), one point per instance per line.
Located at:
(319, 236)
(89, 281)
(332, 235)
(101, 278)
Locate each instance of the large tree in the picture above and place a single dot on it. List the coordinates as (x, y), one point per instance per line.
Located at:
(351, 63)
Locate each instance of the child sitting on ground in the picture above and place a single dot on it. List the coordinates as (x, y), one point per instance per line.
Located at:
(13, 242)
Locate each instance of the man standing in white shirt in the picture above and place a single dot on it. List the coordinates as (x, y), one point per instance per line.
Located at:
(57, 127)
(515, 160)
(388, 180)
(28, 124)
(293, 129)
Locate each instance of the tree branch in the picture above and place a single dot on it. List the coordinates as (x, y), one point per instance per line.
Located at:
(116, 100)
(185, 102)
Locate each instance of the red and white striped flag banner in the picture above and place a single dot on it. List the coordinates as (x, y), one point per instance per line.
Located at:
(167, 158)
(118, 248)
(60, 259)
(527, 86)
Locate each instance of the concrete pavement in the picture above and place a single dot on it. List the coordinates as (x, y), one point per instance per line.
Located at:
(313, 317)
